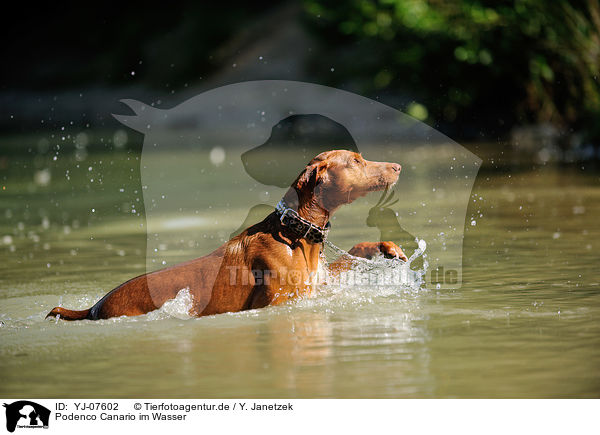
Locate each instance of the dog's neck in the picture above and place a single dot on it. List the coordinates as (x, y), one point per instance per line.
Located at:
(307, 207)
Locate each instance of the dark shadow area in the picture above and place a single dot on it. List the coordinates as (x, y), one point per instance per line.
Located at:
(294, 141)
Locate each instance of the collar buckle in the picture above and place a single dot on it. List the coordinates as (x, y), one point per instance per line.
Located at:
(302, 227)
(284, 214)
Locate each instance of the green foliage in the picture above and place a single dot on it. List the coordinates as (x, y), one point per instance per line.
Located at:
(531, 60)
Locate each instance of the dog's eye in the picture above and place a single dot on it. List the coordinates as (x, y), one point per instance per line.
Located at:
(356, 160)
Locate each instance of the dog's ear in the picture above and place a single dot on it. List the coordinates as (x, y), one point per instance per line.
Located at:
(311, 176)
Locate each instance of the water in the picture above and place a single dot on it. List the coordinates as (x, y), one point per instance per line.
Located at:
(526, 322)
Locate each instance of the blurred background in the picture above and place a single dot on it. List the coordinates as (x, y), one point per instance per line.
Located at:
(476, 70)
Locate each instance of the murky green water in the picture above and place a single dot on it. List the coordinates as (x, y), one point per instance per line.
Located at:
(526, 322)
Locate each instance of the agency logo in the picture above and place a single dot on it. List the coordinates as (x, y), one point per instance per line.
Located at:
(25, 414)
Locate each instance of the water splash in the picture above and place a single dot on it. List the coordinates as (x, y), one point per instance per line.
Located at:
(178, 307)
(376, 272)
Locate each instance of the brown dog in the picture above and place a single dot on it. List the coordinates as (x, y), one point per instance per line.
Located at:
(269, 263)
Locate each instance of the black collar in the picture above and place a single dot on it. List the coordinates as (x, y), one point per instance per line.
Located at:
(300, 226)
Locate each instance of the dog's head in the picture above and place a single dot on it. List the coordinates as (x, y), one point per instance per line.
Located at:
(338, 177)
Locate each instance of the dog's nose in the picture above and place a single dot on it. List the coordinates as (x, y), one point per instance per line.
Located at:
(396, 167)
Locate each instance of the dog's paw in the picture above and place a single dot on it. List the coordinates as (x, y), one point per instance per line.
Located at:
(391, 250)
(370, 249)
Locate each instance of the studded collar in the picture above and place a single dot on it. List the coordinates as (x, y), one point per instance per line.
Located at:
(300, 226)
